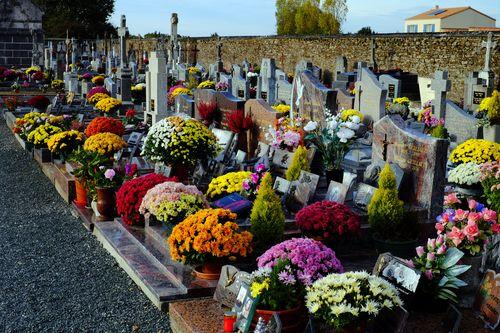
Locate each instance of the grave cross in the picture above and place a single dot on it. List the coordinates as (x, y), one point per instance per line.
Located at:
(441, 85)
(122, 33)
(373, 46)
(219, 49)
(194, 51)
(73, 53)
(490, 46)
(68, 41)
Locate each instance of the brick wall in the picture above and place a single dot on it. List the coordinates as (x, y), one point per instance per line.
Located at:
(16, 46)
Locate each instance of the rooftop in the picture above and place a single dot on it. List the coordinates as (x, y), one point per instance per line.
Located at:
(441, 13)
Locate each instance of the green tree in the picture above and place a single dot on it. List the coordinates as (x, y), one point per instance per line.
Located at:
(365, 31)
(299, 163)
(83, 19)
(285, 16)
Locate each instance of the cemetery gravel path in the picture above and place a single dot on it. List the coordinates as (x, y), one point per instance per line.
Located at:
(54, 275)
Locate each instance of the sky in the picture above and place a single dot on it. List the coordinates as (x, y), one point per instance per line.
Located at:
(256, 17)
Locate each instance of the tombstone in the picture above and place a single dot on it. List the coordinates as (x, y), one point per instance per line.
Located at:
(246, 66)
(284, 91)
(370, 96)
(124, 75)
(311, 97)
(226, 79)
(392, 85)
(156, 88)
(340, 66)
(184, 104)
(110, 86)
(240, 85)
(266, 86)
(182, 73)
(207, 96)
(440, 85)
(280, 75)
(460, 125)
(475, 91)
(226, 102)
(86, 86)
(422, 157)
(345, 100)
(263, 116)
(303, 65)
(424, 86)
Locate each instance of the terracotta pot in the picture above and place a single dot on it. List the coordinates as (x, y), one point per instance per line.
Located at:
(291, 320)
(106, 203)
(210, 270)
(335, 175)
(81, 194)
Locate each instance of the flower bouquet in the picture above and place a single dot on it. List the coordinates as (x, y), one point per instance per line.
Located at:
(87, 77)
(39, 102)
(108, 105)
(207, 85)
(57, 85)
(131, 117)
(489, 109)
(179, 141)
(32, 70)
(221, 86)
(104, 143)
(171, 202)
(477, 151)
(350, 300)
(208, 237)
(226, 184)
(286, 136)
(490, 180)
(328, 220)
(130, 195)
(251, 185)
(96, 90)
(104, 125)
(351, 114)
(64, 143)
(237, 122)
(176, 91)
(42, 134)
(399, 106)
(106, 181)
(139, 93)
(98, 80)
(433, 126)
(208, 112)
(282, 108)
(38, 76)
(465, 174)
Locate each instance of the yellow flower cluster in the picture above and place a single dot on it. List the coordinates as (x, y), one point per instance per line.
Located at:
(491, 105)
(209, 233)
(108, 105)
(477, 151)
(206, 85)
(180, 91)
(138, 87)
(282, 108)
(65, 142)
(95, 98)
(32, 69)
(257, 287)
(98, 80)
(229, 183)
(104, 143)
(57, 84)
(193, 70)
(402, 100)
(347, 114)
(42, 133)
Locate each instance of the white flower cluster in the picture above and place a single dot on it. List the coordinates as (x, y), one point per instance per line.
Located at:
(345, 130)
(465, 174)
(157, 140)
(352, 293)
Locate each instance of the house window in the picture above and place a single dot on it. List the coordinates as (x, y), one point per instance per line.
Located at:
(429, 27)
(412, 28)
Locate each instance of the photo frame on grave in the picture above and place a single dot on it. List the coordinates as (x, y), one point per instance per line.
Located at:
(263, 95)
(310, 179)
(281, 185)
(240, 156)
(229, 284)
(452, 319)
(163, 169)
(336, 192)
(262, 149)
(349, 180)
(301, 193)
(405, 278)
(241, 93)
(364, 196)
(282, 158)
(134, 137)
(487, 302)
(244, 307)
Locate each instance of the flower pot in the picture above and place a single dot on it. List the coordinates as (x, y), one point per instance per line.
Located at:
(291, 320)
(210, 270)
(106, 203)
(472, 277)
(402, 249)
(81, 194)
(492, 133)
(426, 300)
(181, 171)
(335, 175)
(352, 328)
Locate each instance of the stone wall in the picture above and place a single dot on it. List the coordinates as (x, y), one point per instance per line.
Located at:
(457, 53)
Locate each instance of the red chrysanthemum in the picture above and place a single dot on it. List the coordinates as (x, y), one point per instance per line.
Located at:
(129, 196)
(104, 125)
(39, 102)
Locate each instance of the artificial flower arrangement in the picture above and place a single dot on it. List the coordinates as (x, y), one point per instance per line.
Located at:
(476, 150)
(351, 299)
(329, 220)
(180, 140)
(468, 174)
(251, 185)
(334, 139)
(489, 109)
(39, 102)
(104, 125)
(399, 106)
(171, 202)
(350, 114)
(108, 105)
(222, 86)
(438, 263)
(130, 195)
(64, 143)
(208, 112)
(207, 85)
(96, 90)
(210, 234)
(104, 143)
(57, 84)
(286, 134)
(228, 183)
(98, 80)
(237, 122)
(42, 134)
(310, 259)
(131, 117)
(433, 126)
(490, 180)
(282, 108)
(467, 230)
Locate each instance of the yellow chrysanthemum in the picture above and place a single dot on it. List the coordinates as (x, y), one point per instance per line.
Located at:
(477, 151)
(104, 143)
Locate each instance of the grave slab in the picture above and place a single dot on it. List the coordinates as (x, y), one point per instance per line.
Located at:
(263, 116)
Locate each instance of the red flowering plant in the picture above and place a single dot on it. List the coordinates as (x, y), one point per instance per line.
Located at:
(38, 76)
(39, 102)
(238, 122)
(467, 230)
(97, 90)
(208, 113)
(328, 219)
(11, 103)
(104, 125)
(129, 196)
(130, 117)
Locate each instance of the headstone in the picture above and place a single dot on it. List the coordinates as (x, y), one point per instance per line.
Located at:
(284, 91)
(228, 80)
(262, 116)
(422, 157)
(303, 65)
(476, 90)
(441, 85)
(226, 102)
(266, 86)
(424, 86)
(460, 125)
(240, 85)
(184, 104)
(370, 96)
(340, 66)
(392, 85)
(110, 86)
(124, 75)
(207, 96)
(345, 100)
(229, 284)
(156, 88)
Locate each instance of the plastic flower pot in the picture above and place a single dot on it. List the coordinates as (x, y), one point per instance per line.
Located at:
(291, 320)
(106, 203)
(81, 194)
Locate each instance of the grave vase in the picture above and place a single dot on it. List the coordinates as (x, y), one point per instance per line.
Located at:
(472, 277)
(492, 133)
(106, 203)
(210, 270)
(81, 194)
(292, 320)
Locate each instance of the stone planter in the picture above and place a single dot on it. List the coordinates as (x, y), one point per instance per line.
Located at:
(492, 133)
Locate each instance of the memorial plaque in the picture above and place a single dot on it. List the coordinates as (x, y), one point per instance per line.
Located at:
(229, 285)
(364, 196)
(478, 96)
(487, 302)
(391, 89)
(281, 185)
(310, 179)
(337, 192)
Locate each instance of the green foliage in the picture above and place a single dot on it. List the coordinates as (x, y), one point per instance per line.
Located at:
(267, 218)
(385, 211)
(155, 34)
(299, 163)
(365, 31)
(310, 17)
(440, 132)
(83, 19)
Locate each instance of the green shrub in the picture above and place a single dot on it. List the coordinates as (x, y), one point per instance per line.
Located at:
(440, 132)
(299, 163)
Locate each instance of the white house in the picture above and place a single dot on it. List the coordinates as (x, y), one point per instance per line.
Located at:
(449, 19)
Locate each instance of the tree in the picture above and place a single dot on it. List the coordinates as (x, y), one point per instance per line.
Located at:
(299, 163)
(83, 19)
(365, 31)
(310, 17)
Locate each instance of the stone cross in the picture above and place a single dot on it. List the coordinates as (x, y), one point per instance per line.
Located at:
(73, 53)
(441, 85)
(68, 41)
(373, 46)
(174, 21)
(490, 46)
(122, 33)
(35, 53)
(219, 49)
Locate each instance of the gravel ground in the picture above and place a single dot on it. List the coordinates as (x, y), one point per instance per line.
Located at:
(54, 276)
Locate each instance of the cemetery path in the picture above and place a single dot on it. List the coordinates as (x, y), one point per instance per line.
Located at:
(54, 276)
